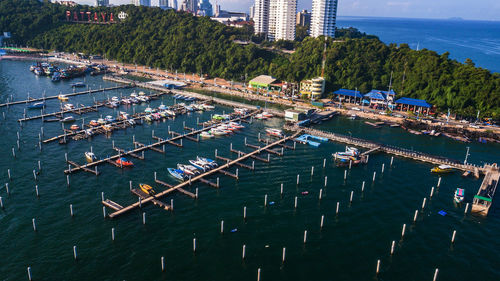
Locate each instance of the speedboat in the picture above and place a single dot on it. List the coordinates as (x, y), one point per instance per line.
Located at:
(352, 150)
(267, 114)
(260, 116)
(74, 127)
(148, 118)
(78, 85)
(176, 173)
(148, 110)
(188, 169)
(90, 156)
(68, 119)
(93, 123)
(101, 121)
(236, 125)
(124, 115)
(109, 119)
(162, 107)
(89, 132)
(63, 98)
(200, 165)
(210, 162)
(115, 99)
(459, 195)
(124, 162)
(68, 106)
(147, 189)
(206, 135)
(274, 132)
(170, 112)
(218, 132)
(37, 105)
(442, 169)
(208, 106)
(107, 128)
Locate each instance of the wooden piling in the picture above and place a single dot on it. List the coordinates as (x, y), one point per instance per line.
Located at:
(29, 273)
(295, 205)
(320, 193)
(415, 216)
(74, 252)
(283, 255)
(322, 221)
(374, 175)
(33, 221)
(435, 274)
(305, 236)
(403, 231)
(453, 236)
(423, 203)
(338, 207)
(194, 245)
(112, 234)
(222, 226)
(245, 212)
(392, 247)
(243, 252)
(378, 266)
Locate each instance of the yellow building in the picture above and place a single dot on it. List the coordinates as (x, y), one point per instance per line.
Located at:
(313, 89)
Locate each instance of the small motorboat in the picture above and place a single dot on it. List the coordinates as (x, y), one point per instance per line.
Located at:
(124, 162)
(236, 125)
(62, 98)
(210, 162)
(147, 189)
(267, 114)
(206, 135)
(162, 107)
(101, 121)
(459, 195)
(200, 165)
(218, 132)
(68, 106)
(107, 128)
(68, 119)
(148, 118)
(74, 127)
(274, 132)
(37, 105)
(90, 157)
(78, 85)
(353, 117)
(305, 192)
(442, 169)
(260, 116)
(115, 99)
(148, 110)
(188, 169)
(208, 106)
(109, 119)
(176, 173)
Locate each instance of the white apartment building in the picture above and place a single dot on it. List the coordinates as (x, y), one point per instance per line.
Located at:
(323, 18)
(275, 18)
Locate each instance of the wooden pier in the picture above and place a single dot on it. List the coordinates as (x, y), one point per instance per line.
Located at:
(484, 197)
(195, 179)
(415, 155)
(89, 91)
(144, 147)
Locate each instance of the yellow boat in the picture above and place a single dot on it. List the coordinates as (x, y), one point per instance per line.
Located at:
(147, 189)
(63, 98)
(442, 169)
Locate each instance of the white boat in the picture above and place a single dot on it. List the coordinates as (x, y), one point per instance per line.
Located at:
(267, 114)
(206, 135)
(274, 132)
(260, 116)
(218, 132)
(188, 169)
(352, 150)
(68, 106)
(148, 110)
(116, 99)
(90, 156)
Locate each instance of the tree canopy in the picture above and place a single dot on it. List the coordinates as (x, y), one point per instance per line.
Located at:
(177, 40)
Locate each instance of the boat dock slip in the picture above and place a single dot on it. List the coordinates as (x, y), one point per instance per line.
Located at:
(200, 177)
(237, 164)
(155, 201)
(122, 151)
(420, 156)
(138, 144)
(112, 205)
(181, 190)
(253, 156)
(152, 146)
(484, 197)
(89, 91)
(95, 172)
(267, 150)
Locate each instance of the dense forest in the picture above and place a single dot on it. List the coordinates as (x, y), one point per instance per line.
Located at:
(175, 40)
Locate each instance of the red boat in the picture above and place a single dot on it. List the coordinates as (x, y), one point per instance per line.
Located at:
(124, 162)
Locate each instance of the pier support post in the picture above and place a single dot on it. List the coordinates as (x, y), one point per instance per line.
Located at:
(435, 274)
(221, 227)
(155, 176)
(383, 167)
(403, 231)
(295, 204)
(283, 255)
(7, 188)
(39, 166)
(216, 153)
(466, 208)
(345, 174)
(312, 170)
(415, 216)
(217, 182)
(392, 160)
(326, 180)
(8, 174)
(324, 163)
(281, 191)
(338, 207)
(298, 179)
(392, 247)
(140, 202)
(265, 200)
(33, 221)
(245, 212)
(378, 266)
(258, 274)
(130, 185)
(322, 221)
(34, 174)
(432, 192)
(112, 234)
(1, 203)
(36, 191)
(253, 165)
(350, 164)
(172, 204)
(144, 218)
(237, 176)
(67, 180)
(29, 273)
(71, 210)
(305, 236)
(374, 175)
(243, 250)
(104, 212)
(439, 182)
(13, 153)
(363, 186)
(66, 157)
(320, 193)
(453, 236)
(352, 194)
(74, 252)
(194, 245)
(196, 194)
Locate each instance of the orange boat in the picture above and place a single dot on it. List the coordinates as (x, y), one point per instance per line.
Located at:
(124, 162)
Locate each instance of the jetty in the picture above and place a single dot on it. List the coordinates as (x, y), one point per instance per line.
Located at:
(484, 197)
(140, 148)
(200, 178)
(398, 151)
(89, 91)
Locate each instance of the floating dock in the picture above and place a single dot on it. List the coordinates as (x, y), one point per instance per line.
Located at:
(484, 197)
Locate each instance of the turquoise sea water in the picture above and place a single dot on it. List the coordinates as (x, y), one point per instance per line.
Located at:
(347, 248)
(478, 40)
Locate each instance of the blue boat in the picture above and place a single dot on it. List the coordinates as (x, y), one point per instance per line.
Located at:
(200, 165)
(209, 162)
(56, 77)
(176, 173)
(37, 105)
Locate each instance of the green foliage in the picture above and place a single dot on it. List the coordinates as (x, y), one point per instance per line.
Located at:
(173, 40)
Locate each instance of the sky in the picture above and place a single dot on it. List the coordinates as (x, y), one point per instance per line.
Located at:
(466, 9)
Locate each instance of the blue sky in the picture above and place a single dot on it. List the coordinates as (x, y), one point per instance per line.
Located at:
(467, 9)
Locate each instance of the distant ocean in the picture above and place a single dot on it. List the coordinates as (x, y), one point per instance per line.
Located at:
(477, 40)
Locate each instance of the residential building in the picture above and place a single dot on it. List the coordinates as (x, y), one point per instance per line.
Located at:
(303, 18)
(102, 3)
(261, 16)
(66, 3)
(188, 6)
(146, 3)
(252, 10)
(323, 18)
(172, 4)
(313, 89)
(163, 4)
(205, 8)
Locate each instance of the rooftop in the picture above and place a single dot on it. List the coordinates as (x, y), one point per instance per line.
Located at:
(263, 79)
(415, 102)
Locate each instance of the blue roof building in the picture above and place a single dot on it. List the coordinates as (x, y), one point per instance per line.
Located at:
(409, 104)
(376, 95)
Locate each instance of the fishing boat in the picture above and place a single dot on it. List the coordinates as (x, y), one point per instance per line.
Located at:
(206, 135)
(442, 169)
(124, 162)
(274, 132)
(68, 119)
(37, 105)
(63, 98)
(188, 169)
(78, 85)
(176, 173)
(267, 114)
(90, 157)
(147, 189)
(200, 165)
(459, 195)
(74, 127)
(210, 162)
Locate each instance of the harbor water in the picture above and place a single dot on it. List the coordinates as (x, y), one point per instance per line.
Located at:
(347, 247)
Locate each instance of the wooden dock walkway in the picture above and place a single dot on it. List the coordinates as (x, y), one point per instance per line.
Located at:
(89, 91)
(137, 150)
(486, 192)
(201, 177)
(415, 155)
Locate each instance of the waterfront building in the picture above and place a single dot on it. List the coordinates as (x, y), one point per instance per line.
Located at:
(415, 105)
(205, 8)
(146, 3)
(349, 96)
(303, 18)
(293, 115)
(102, 3)
(66, 3)
(323, 18)
(262, 82)
(313, 89)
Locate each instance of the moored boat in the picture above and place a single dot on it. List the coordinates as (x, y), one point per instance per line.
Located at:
(78, 85)
(124, 162)
(459, 195)
(37, 105)
(90, 157)
(200, 165)
(274, 132)
(176, 173)
(210, 162)
(147, 189)
(206, 135)
(74, 127)
(68, 119)
(188, 169)
(63, 98)
(442, 169)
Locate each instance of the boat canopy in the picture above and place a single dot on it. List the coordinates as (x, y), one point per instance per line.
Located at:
(482, 198)
(460, 192)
